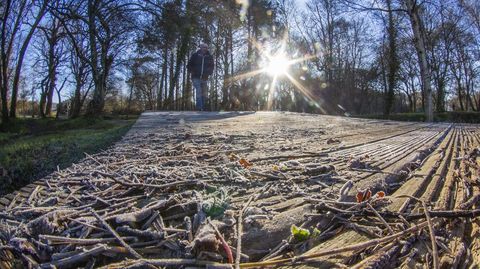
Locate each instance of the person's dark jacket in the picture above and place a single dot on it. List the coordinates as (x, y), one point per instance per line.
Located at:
(200, 65)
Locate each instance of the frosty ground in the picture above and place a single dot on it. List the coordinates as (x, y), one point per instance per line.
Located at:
(302, 190)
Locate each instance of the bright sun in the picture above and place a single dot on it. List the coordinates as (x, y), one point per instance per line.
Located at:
(277, 65)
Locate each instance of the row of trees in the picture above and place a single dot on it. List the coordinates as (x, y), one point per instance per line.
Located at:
(73, 43)
(354, 56)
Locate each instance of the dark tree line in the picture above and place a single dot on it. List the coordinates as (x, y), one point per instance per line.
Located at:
(351, 57)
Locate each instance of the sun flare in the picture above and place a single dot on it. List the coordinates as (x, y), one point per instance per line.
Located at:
(277, 65)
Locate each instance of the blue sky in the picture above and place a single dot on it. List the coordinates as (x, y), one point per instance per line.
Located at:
(301, 2)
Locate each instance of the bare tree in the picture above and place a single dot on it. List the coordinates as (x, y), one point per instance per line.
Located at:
(419, 40)
(16, 16)
(52, 55)
(106, 26)
(79, 67)
(393, 61)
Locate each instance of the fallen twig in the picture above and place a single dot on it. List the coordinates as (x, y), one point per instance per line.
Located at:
(60, 240)
(162, 262)
(381, 218)
(240, 231)
(374, 171)
(289, 157)
(115, 234)
(268, 176)
(432, 236)
(225, 245)
(67, 262)
(355, 247)
(408, 216)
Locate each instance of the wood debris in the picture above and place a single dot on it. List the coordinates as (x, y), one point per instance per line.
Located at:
(401, 195)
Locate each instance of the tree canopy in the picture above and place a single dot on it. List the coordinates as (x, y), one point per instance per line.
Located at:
(337, 57)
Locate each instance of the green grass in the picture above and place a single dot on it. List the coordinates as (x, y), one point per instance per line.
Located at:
(33, 148)
(5, 137)
(457, 117)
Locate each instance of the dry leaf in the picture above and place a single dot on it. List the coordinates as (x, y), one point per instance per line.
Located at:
(245, 163)
(363, 195)
(380, 194)
(359, 197)
(367, 195)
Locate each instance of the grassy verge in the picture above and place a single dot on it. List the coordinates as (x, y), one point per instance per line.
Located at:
(33, 148)
(458, 117)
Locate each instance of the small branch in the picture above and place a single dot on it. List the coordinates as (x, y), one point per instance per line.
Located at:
(432, 237)
(268, 176)
(60, 240)
(115, 234)
(415, 216)
(390, 230)
(430, 229)
(225, 245)
(161, 262)
(374, 171)
(276, 251)
(313, 200)
(355, 247)
(148, 185)
(140, 233)
(470, 202)
(240, 231)
(68, 262)
(288, 157)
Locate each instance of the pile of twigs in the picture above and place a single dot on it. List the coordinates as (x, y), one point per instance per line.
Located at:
(107, 209)
(166, 199)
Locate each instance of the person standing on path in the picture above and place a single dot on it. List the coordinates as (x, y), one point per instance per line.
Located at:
(201, 67)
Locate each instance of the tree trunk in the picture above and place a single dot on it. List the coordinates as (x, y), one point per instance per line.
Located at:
(52, 67)
(100, 62)
(414, 94)
(130, 97)
(163, 79)
(184, 83)
(76, 104)
(419, 42)
(393, 63)
(59, 106)
(171, 86)
(21, 56)
(51, 86)
(226, 67)
(97, 104)
(42, 104)
(181, 53)
(440, 95)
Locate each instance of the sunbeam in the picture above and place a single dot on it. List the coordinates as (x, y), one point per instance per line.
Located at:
(271, 92)
(245, 75)
(304, 91)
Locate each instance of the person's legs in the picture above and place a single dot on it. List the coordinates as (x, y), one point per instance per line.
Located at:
(204, 93)
(197, 84)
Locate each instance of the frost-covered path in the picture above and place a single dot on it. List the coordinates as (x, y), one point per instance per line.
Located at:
(156, 187)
